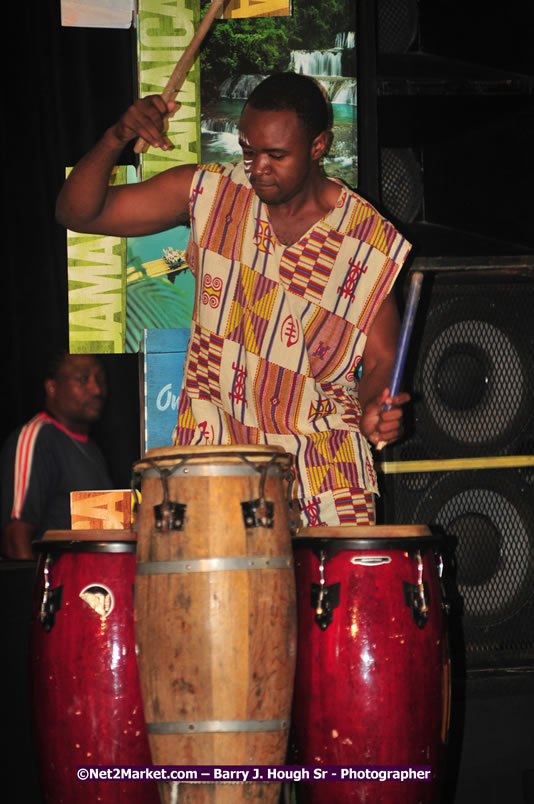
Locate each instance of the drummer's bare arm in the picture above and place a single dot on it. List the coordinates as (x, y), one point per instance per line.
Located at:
(378, 425)
(87, 203)
(17, 539)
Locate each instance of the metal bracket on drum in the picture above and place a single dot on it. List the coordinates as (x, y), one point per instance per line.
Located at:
(440, 565)
(294, 515)
(417, 599)
(258, 513)
(416, 595)
(51, 600)
(324, 600)
(168, 515)
(50, 605)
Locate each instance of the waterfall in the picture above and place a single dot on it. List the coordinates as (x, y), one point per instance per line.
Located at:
(221, 125)
(240, 87)
(326, 66)
(346, 40)
(220, 121)
(344, 91)
(317, 62)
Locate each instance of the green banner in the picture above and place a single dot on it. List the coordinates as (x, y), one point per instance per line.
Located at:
(164, 31)
(97, 290)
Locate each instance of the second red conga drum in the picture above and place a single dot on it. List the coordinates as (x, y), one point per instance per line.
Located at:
(215, 612)
(86, 695)
(372, 679)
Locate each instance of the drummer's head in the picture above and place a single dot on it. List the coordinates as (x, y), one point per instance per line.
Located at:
(284, 134)
(75, 390)
(295, 92)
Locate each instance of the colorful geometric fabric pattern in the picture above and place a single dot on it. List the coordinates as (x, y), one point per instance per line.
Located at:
(305, 267)
(278, 331)
(330, 461)
(205, 351)
(281, 393)
(224, 230)
(339, 507)
(251, 309)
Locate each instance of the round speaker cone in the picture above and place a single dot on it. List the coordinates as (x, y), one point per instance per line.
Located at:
(473, 380)
(492, 523)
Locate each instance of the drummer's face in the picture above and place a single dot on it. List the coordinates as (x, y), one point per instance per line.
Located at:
(278, 156)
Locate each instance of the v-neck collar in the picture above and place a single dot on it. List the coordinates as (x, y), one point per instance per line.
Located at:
(330, 218)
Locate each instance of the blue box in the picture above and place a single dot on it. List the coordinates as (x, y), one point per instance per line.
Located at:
(163, 368)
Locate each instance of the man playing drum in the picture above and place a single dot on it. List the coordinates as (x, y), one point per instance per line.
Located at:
(294, 329)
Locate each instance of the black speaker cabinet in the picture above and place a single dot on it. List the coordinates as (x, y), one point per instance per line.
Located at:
(465, 465)
(473, 379)
(452, 123)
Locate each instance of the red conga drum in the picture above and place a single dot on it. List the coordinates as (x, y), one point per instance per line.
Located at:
(372, 680)
(215, 612)
(86, 695)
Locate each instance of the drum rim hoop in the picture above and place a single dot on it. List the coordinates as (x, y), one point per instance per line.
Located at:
(84, 546)
(339, 544)
(225, 454)
(378, 532)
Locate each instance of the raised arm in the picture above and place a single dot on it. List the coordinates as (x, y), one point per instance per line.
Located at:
(377, 424)
(87, 203)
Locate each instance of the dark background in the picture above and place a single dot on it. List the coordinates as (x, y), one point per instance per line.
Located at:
(66, 86)
(447, 88)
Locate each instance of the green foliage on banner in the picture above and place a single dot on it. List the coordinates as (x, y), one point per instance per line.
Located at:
(264, 45)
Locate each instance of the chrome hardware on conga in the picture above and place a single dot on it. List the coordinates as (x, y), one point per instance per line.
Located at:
(215, 612)
(372, 682)
(324, 598)
(416, 594)
(51, 598)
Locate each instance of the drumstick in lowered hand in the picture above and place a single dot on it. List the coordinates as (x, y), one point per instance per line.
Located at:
(184, 63)
(404, 338)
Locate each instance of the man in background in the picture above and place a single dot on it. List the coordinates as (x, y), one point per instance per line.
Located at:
(52, 455)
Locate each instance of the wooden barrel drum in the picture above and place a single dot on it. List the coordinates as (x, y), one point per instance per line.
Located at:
(372, 682)
(215, 612)
(86, 695)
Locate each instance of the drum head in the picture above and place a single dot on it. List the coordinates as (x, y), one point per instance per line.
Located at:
(365, 537)
(232, 455)
(91, 541)
(89, 535)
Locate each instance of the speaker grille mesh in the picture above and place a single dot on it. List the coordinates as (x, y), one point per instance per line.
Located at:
(397, 25)
(486, 518)
(474, 380)
(471, 375)
(401, 183)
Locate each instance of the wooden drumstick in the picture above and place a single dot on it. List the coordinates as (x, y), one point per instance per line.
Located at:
(184, 63)
(404, 338)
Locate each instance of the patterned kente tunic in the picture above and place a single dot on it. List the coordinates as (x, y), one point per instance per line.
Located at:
(278, 333)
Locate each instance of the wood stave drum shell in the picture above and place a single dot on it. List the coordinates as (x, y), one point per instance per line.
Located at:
(225, 635)
(86, 693)
(373, 688)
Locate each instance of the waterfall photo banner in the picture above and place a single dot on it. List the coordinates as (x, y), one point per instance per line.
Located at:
(318, 40)
(237, 54)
